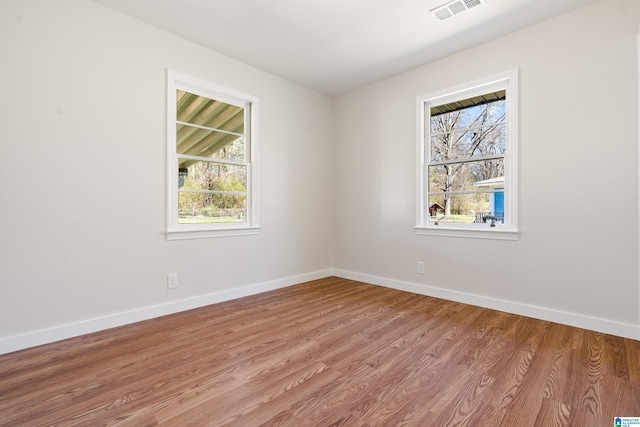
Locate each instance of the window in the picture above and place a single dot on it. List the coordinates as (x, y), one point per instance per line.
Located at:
(211, 159)
(467, 145)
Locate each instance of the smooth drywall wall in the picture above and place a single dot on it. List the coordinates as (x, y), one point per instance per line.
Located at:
(83, 179)
(578, 181)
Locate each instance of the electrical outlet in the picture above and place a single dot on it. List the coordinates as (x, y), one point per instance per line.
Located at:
(172, 281)
(420, 269)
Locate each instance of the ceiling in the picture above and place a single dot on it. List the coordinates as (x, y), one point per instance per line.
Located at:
(334, 46)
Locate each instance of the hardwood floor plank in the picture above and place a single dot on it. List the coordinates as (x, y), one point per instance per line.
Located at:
(331, 352)
(243, 403)
(553, 413)
(392, 391)
(506, 387)
(526, 395)
(333, 397)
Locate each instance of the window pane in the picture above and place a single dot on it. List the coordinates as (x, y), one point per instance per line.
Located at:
(210, 176)
(200, 208)
(469, 176)
(202, 111)
(467, 141)
(208, 143)
(467, 208)
(474, 131)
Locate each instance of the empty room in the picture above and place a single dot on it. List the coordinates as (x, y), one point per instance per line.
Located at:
(320, 213)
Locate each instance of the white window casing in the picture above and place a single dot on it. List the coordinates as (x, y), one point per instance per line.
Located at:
(177, 227)
(507, 228)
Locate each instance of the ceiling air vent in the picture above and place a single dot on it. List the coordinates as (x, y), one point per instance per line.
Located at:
(454, 7)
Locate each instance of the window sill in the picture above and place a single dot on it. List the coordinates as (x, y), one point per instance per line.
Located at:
(210, 233)
(471, 233)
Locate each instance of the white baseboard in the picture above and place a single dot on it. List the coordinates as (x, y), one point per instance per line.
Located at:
(585, 322)
(57, 333)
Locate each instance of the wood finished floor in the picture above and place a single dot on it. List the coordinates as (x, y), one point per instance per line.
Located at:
(332, 352)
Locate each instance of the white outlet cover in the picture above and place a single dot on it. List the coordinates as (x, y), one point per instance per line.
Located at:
(172, 281)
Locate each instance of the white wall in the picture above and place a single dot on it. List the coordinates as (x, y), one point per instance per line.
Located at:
(82, 182)
(577, 257)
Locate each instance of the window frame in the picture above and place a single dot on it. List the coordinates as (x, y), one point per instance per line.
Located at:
(509, 230)
(175, 230)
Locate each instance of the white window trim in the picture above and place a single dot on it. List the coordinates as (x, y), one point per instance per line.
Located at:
(176, 231)
(509, 231)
